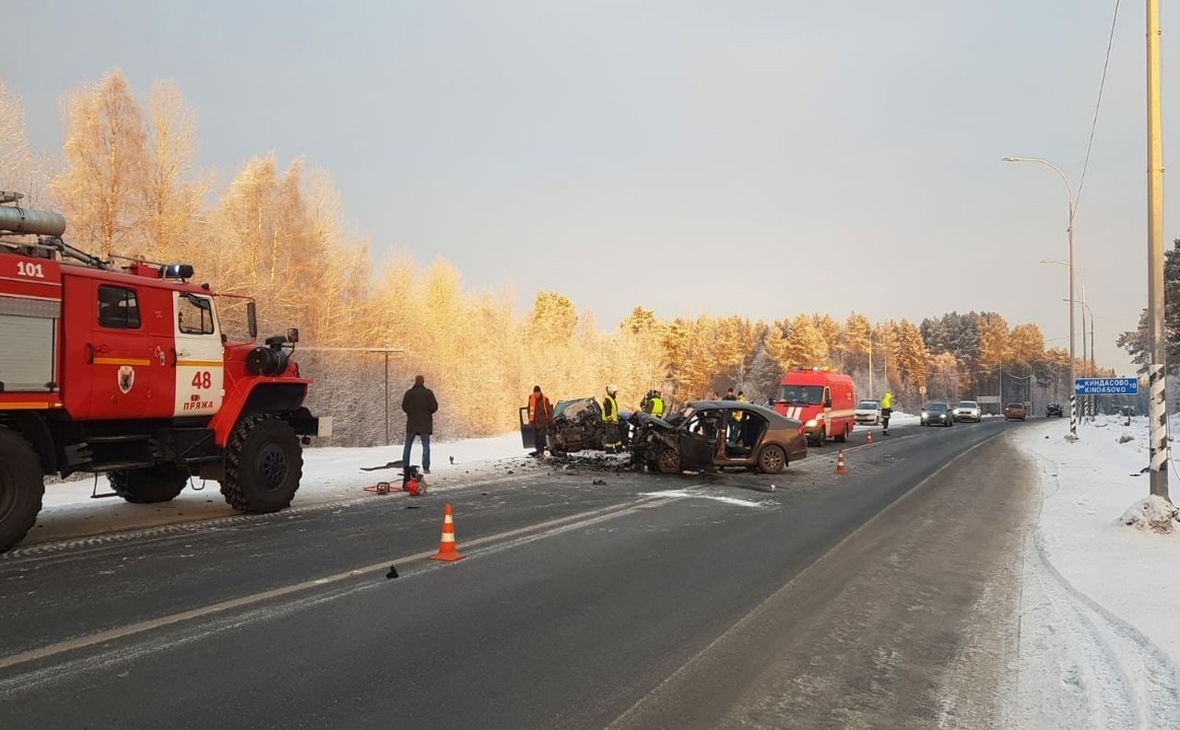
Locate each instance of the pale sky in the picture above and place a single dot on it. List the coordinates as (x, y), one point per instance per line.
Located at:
(690, 156)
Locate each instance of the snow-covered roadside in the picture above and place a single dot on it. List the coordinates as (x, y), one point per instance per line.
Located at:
(330, 475)
(1099, 641)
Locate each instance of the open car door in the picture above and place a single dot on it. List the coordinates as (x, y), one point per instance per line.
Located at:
(528, 434)
(699, 440)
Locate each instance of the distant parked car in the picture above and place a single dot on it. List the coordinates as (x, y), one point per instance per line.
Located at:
(937, 413)
(1015, 412)
(967, 410)
(1054, 410)
(868, 411)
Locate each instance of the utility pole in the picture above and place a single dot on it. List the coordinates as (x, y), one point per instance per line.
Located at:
(1157, 403)
(870, 364)
(1073, 398)
(386, 351)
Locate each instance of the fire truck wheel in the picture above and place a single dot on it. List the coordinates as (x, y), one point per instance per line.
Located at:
(668, 460)
(162, 483)
(771, 460)
(842, 437)
(21, 488)
(263, 465)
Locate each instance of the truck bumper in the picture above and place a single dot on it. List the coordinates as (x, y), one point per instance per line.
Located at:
(306, 424)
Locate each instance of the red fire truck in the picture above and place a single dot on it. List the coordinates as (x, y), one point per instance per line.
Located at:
(123, 367)
(823, 400)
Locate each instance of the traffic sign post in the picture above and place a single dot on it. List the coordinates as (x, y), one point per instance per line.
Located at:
(1106, 386)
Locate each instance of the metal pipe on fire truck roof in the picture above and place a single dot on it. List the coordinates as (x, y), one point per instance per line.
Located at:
(14, 219)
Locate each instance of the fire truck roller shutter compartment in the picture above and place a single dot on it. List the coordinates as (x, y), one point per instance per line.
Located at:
(32, 366)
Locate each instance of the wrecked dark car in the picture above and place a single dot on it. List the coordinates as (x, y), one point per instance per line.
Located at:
(711, 435)
(577, 425)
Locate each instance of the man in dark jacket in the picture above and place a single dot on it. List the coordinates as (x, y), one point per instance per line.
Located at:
(420, 406)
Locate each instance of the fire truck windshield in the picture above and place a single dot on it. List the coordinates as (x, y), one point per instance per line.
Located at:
(811, 395)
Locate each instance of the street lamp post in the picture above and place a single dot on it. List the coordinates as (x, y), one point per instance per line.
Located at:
(1088, 402)
(1090, 363)
(870, 364)
(1073, 419)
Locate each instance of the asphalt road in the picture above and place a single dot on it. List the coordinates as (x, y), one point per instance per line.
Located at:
(883, 597)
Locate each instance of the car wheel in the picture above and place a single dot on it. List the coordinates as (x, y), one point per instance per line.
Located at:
(668, 460)
(772, 460)
(822, 437)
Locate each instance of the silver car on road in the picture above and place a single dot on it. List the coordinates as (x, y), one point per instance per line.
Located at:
(968, 410)
(867, 411)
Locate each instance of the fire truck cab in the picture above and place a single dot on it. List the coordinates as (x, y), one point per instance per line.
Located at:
(823, 400)
(126, 370)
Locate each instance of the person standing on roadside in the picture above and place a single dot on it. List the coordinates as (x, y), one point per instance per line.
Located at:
(420, 406)
(886, 411)
(540, 418)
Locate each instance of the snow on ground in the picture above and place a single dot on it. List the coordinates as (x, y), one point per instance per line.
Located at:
(329, 475)
(1099, 639)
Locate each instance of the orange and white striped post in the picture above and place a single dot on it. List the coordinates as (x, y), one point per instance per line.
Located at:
(446, 546)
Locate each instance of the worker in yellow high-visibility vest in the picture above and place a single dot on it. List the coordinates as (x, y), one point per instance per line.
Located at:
(611, 442)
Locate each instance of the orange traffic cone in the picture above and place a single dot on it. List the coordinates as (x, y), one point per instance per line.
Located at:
(446, 546)
(869, 440)
(840, 462)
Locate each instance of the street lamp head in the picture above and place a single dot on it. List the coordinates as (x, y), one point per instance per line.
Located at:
(1009, 159)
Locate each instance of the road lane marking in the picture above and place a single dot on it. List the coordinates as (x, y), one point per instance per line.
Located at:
(557, 524)
(686, 494)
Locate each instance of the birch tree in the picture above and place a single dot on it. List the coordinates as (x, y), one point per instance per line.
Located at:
(20, 169)
(101, 189)
(171, 200)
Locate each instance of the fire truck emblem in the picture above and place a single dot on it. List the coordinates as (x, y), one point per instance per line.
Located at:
(126, 378)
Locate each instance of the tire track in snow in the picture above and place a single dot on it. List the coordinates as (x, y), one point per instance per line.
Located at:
(1093, 627)
(1088, 621)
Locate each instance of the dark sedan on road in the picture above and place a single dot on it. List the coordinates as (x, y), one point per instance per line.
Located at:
(1054, 410)
(937, 414)
(710, 435)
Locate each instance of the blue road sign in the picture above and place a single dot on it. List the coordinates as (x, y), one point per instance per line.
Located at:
(1106, 386)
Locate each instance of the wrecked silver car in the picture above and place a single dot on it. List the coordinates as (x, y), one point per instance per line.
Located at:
(711, 435)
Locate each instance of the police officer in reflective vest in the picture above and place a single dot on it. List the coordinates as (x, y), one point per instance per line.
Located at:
(611, 442)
